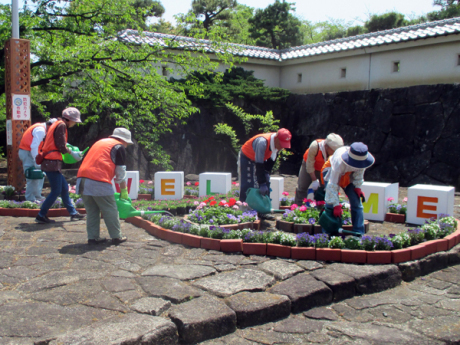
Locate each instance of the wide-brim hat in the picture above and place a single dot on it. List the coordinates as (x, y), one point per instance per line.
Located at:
(357, 156)
(72, 114)
(123, 134)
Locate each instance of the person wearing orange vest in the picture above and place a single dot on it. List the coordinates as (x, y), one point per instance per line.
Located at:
(106, 160)
(313, 160)
(28, 150)
(54, 145)
(345, 168)
(256, 160)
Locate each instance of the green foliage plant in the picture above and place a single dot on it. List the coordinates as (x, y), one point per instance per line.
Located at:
(353, 243)
(336, 242)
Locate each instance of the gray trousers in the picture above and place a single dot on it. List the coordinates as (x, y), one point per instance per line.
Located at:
(33, 187)
(303, 182)
(94, 205)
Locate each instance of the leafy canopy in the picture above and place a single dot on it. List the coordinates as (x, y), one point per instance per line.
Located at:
(276, 27)
(79, 57)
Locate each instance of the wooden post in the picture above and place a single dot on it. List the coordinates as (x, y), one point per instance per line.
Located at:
(17, 85)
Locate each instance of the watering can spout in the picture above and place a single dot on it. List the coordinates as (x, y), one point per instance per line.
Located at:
(126, 209)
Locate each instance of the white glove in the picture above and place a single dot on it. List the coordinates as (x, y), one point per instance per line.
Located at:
(76, 155)
(315, 185)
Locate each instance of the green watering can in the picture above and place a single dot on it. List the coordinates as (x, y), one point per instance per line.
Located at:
(332, 224)
(34, 174)
(126, 209)
(68, 159)
(258, 202)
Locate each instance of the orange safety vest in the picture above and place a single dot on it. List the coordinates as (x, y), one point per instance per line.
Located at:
(49, 144)
(27, 137)
(98, 164)
(344, 180)
(319, 159)
(248, 150)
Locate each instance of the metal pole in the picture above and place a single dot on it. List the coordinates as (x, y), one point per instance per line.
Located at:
(15, 18)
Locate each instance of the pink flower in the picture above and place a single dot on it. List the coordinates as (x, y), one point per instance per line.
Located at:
(239, 203)
(405, 199)
(390, 199)
(237, 184)
(150, 182)
(285, 193)
(245, 204)
(189, 183)
(302, 208)
(235, 207)
(293, 207)
(313, 204)
(196, 203)
(226, 205)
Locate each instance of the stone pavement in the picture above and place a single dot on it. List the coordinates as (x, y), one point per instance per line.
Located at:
(55, 289)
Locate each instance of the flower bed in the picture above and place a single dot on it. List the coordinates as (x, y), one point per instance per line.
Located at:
(435, 235)
(13, 208)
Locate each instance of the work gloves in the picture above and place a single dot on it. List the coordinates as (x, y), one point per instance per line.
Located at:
(76, 155)
(337, 211)
(360, 194)
(124, 194)
(263, 189)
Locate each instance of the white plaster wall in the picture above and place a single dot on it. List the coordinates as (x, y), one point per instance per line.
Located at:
(325, 76)
(433, 64)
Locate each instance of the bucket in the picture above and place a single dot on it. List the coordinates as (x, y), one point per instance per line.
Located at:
(34, 174)
(258, 202)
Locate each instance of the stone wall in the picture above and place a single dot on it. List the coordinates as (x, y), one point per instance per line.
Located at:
(414, 133)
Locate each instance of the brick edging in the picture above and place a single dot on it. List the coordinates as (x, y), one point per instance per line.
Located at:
(398, 256)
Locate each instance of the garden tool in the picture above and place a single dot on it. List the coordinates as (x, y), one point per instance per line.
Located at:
(68, 159)
(34, 174)
(333, 225)
(126, 209)
(260, 203)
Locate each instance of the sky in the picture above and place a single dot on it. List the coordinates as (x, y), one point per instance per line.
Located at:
(316, 10)
(356, 11)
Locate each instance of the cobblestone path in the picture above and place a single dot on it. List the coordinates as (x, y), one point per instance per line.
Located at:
(55, 289)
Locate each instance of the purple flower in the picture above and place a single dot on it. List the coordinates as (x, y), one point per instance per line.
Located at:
(312, 221)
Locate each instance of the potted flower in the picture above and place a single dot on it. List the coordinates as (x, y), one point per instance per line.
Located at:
(382, 251)
(353, 251)
(254, 243)
(305, 249)
(280, 244)
(146, 190)
(285, 201)
(396, 212)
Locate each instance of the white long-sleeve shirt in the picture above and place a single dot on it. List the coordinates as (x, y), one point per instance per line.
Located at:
(37, 134)
(336, 171)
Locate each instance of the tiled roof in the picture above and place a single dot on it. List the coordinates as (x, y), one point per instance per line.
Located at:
(404, 34)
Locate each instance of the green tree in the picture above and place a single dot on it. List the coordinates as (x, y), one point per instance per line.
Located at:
(323, 31)
(449, 9)
(80, 57)
(236, 27)
(212, 11)
(387, 21)
(276, 27)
